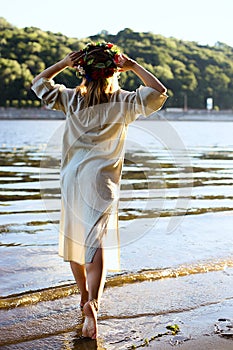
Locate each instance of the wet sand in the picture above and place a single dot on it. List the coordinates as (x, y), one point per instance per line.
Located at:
(131, 316)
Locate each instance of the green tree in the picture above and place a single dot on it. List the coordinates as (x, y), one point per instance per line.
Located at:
(15, 80)
(186, 68)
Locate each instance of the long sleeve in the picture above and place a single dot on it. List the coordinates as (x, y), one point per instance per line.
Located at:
(55, 96)
(144, 101)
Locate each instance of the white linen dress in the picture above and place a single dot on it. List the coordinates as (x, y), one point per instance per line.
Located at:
(91, 166)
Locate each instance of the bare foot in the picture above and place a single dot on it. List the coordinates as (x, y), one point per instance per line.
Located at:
(90, 323)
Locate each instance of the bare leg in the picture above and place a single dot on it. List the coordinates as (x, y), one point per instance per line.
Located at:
(96, 275)
(79, 273)
(95, 280)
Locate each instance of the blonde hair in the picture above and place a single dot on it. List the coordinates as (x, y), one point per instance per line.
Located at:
(97, 91)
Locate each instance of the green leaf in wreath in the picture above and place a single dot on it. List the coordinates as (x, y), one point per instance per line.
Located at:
(108, 63)
(90, 61)
(99, 65)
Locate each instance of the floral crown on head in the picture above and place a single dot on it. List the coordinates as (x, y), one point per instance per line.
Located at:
(97, 61)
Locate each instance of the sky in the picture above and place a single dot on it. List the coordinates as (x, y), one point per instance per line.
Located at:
(203, 21)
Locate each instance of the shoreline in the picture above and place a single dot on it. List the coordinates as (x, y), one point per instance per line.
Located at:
(33, 297)
(11, 113)
(132, 316)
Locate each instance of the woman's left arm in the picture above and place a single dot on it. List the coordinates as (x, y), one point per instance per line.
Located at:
(125, 63)
(58, 67)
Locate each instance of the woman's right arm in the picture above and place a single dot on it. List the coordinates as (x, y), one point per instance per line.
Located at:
(58, 67)
(125, 63)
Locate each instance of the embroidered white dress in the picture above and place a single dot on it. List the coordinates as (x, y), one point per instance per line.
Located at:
(91, 166)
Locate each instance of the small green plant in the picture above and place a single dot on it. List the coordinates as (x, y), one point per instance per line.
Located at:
(171, 329)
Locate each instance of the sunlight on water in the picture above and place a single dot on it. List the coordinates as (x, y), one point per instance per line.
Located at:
(157, 184)
(50, 294)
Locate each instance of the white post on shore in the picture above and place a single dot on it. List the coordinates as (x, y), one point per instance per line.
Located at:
(209, 103)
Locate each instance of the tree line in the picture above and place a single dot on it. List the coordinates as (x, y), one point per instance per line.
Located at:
(192, 72)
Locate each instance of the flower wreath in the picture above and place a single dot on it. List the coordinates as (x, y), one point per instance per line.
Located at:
(86, 66)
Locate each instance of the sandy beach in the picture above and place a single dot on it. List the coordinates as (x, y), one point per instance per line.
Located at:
(132, 316)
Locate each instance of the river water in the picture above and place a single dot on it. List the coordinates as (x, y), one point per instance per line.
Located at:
(175, 210)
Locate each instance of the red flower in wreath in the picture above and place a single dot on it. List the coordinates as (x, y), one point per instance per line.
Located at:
(116, 58)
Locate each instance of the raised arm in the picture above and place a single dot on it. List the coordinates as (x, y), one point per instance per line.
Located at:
(125, 63)
(58, 67)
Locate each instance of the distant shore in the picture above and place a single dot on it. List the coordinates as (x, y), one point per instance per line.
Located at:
(173, 114)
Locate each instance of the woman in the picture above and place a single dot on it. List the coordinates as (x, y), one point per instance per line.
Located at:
(98, 113)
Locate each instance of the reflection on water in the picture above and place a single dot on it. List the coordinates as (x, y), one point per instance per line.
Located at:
(158, 183)
(80, 343)
(153, 183)
(68, 341)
